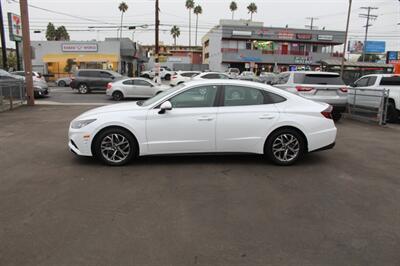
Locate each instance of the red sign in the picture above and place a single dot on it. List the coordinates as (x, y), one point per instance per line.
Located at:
(303, 36)
(286, 35)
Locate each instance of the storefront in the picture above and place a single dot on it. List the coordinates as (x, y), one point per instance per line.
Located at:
(59, 59)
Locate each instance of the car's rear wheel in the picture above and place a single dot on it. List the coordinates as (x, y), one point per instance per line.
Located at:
(336, 116)
(115, 147)
(83, 88)
(392, 113)
(117, 96)
(285, 147)
(61, 83)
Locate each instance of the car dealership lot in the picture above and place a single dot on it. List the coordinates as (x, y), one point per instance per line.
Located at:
(338, 207)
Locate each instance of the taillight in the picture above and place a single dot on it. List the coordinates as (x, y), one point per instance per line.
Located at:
(327, 113)
(301, 88)
(344, 89)
(109, 86)
(174, 77)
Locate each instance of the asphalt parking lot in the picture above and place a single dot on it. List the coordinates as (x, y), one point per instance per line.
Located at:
(338, 207)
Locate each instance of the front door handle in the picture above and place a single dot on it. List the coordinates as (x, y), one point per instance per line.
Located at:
(205, 118)
(266, 116)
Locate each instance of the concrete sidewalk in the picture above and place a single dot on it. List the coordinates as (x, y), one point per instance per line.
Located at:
(338, 207)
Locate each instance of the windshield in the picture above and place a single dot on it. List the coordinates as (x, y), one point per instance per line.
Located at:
(160, 96)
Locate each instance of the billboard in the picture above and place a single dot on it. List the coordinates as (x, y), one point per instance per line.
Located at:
(14, 27)
(393, 57)
(375, 47)
(79, 47)
(356, 47)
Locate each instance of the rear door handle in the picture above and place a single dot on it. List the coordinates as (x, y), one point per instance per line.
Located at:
(205, 118)
(266, 116)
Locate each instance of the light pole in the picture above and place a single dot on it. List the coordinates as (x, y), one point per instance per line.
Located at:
(346, 37)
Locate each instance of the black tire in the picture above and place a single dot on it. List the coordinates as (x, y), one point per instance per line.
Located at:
(97, 144)
(62, 83)
(336, 116)
(117, 96)
(392, 113)
(270, 148)
(167, 77)
(83, 88)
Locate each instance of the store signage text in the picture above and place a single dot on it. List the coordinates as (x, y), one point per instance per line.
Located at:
(79, 47)
(303, 36)
(325, 37)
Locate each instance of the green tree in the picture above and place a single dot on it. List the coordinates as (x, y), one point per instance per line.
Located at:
(123, 7)
(369, 58)
(252, 8)
(190, 5)
(62, 34)
(11, 60)
(175, 32)
(50, 32)
(197, 11)
(68, 66)
(233, 7)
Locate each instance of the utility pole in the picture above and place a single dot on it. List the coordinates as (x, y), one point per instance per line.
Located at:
(345, 38)
(3, 40)
(26, 41)
(311, 26)
(157, 47)
(369, 17)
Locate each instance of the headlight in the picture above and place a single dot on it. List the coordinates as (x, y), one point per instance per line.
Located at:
(81, 123)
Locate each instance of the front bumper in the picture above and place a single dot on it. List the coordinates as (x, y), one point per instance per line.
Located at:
(80, 142)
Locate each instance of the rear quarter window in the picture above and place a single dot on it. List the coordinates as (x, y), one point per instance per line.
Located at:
(318, 79)
(390, 81)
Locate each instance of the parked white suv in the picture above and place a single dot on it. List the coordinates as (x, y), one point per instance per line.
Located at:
(165, 73)
(182, 76)
(378, 82)
(324, 87)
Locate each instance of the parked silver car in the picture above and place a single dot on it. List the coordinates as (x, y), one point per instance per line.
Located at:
(63, 82)
(324, 87)
(133, 88)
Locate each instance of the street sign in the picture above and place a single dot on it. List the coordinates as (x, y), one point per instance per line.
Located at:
(15, 27)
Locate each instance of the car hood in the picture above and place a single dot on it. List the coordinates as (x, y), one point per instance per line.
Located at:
(120, 107)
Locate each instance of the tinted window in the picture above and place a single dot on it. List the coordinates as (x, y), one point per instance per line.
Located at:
(211, 76)
(238, 96)
(89, 74)
(189, 74)
(270, 98)
(128, 82)
(283, 78)
(139, 82)
(105, 75)
(203, 96)
(363, 82)
(391, 81)
(318, 79)
(371, 81)
(222, 76)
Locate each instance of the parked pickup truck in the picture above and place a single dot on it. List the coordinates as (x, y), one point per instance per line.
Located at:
(378, 82)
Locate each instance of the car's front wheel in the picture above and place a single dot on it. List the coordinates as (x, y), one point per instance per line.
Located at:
(62, 83)
(392, 113)
(83, 88)
(167, 77)
(285, 147)
(115, 147)
(117, 96)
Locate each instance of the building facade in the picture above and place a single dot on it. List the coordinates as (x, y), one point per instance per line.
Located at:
(249, 45)
(61, 58)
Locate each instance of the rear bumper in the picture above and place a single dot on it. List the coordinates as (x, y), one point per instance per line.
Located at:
(321, 139)
(327, 147)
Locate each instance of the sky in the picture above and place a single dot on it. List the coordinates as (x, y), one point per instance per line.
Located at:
(331, 14)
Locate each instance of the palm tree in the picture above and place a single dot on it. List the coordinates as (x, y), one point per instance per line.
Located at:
(197, 11)
(190, 5)
(175, 32)
(123, 7)
(252, 9)
(233, 7)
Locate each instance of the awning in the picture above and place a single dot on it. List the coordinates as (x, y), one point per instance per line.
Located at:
(100, 58)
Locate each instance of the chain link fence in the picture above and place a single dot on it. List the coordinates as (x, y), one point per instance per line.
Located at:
(12, 94)
(368, 105)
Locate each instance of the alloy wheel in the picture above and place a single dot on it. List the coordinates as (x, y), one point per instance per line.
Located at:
(83, 89)
(115, 148)
(286, 147)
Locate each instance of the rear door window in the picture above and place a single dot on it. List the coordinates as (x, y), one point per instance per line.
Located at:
(105, 75)
(139, 82)
(242, 96)
(128, 82)
(363, 82)
(318, 79)
(391, 81)
(88, 74)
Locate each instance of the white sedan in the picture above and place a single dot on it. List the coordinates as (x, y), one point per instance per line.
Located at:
(133, 88)
(209, 116)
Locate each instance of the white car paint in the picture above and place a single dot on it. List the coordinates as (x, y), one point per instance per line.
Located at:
(182, 76)
(135, 88)
(207, 129)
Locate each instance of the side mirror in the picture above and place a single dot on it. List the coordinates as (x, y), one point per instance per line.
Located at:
(353, 85)
(165, 106)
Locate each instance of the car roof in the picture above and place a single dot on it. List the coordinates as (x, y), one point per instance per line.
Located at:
(313, 72)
